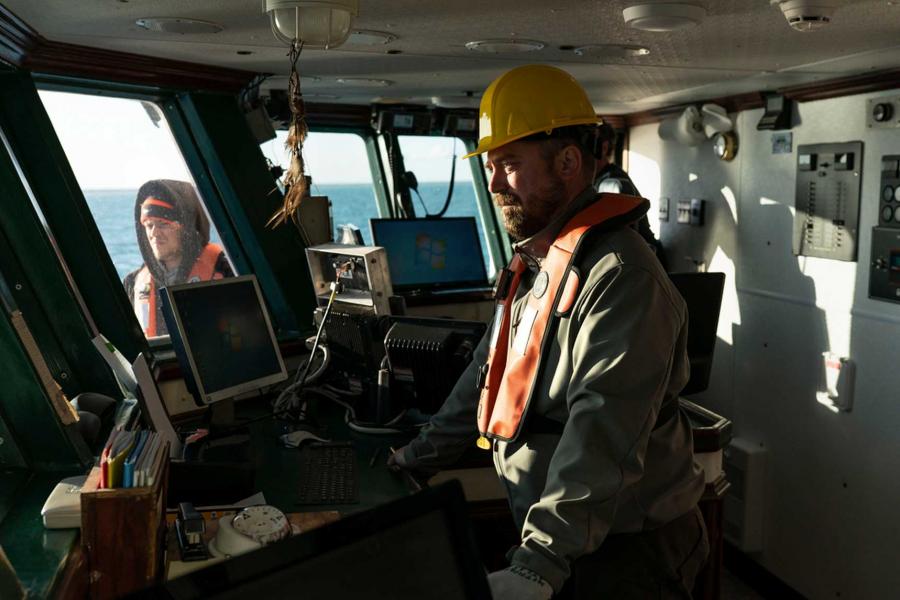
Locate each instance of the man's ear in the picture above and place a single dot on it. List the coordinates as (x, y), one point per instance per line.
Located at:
(569, 162)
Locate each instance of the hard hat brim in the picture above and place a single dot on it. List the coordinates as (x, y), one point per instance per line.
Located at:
(487, 144)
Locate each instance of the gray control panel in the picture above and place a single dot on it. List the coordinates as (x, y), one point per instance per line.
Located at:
(884, 272)
(829, 178)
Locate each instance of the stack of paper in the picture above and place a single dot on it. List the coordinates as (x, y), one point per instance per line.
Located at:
(129, 459)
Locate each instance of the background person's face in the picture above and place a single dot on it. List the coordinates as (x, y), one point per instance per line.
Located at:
(525, 187)
(165, 240)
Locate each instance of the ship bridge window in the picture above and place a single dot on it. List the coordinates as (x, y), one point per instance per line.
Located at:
(140, 192)
(338, 166)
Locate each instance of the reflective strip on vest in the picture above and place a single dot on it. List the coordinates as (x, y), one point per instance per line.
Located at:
(513, 369)
(204, 269)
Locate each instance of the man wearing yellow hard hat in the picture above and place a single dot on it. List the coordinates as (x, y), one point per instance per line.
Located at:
(575, 389)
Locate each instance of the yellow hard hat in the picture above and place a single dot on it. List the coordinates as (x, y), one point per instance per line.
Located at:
(528, 100)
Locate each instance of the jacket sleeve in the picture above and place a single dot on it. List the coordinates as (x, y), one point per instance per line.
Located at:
(453, 428)
(624, 333)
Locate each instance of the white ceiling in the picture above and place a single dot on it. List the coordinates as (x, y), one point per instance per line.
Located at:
(743, 45)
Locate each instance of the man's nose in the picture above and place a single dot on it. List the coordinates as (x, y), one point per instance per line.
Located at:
(497, 182)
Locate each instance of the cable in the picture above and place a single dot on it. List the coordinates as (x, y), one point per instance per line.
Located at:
(289, 397)
(422, 202)
(452, 180)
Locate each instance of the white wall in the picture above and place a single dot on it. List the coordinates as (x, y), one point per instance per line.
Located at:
(832, 514)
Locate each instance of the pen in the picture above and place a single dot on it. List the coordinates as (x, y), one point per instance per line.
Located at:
(374, 457)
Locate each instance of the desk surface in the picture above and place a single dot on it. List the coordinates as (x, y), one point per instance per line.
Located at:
(300, 522)
(277, 467)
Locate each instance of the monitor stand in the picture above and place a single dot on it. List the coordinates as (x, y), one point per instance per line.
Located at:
(226, 439)
(218, 467)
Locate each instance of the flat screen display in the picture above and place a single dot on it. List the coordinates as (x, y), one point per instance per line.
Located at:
(428, 254)
(225, 333)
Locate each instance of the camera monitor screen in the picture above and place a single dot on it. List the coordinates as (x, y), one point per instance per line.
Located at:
(431, 254)
(702, 292)
(224, 334)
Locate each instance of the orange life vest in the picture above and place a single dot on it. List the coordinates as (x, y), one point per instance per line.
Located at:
(144, 299)
(508, 378)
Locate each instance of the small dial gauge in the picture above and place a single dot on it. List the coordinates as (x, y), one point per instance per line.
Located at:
(896, 193)
(897, 216)
(887, 213)
(887, 194)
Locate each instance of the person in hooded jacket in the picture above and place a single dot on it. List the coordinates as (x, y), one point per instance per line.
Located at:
(173, 235)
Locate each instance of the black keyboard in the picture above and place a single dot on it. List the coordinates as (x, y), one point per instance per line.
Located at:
(328, 474)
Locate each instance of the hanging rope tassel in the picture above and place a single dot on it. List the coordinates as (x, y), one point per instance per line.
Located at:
(295, 184)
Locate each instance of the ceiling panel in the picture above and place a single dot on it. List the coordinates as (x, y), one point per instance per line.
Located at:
(742, 43)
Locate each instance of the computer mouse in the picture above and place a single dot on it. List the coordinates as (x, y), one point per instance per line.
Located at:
(295, 438)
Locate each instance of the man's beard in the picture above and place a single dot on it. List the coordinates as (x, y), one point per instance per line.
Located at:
(521, 222)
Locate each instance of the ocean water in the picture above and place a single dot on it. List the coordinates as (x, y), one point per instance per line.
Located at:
(113, 211)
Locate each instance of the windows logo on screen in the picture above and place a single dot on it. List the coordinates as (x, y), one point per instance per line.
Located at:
(431, 252)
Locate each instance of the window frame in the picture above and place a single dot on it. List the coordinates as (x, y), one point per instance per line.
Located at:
(206, 191)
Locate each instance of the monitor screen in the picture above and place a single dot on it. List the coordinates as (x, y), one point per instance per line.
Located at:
(224, 335)
(431, 253)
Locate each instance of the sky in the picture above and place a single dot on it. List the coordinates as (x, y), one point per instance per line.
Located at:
(112, 143)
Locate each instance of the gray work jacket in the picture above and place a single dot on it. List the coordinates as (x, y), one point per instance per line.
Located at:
(607, 467)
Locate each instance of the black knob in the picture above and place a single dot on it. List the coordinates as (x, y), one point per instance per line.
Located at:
(883, 111)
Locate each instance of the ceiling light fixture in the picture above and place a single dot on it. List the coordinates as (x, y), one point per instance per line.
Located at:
(316, 23)
(610, 51)
(665, 16)
(501, 46)
(178, 25)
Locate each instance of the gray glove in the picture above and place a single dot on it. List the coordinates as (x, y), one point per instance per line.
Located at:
(404, 459)
(518, 583)
(397, 460)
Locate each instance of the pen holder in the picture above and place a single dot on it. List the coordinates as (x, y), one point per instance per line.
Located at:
(123, 533)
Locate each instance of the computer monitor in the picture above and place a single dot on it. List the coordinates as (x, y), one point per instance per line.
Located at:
(702, 292)
(420, 546)
(432, 253)
(223, 337)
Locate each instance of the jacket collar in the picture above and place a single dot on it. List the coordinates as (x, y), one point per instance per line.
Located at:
(534, 249)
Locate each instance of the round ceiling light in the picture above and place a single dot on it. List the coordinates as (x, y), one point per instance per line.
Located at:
(502, 46)
(666, 16)
(611, 51)
(361, 37)
(178, 25)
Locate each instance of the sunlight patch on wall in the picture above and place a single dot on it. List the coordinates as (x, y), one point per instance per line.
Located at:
(730, 314)
(692, 177)
(825, 400)
(645, 174)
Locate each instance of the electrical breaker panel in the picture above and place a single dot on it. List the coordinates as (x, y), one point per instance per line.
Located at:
(829, 179)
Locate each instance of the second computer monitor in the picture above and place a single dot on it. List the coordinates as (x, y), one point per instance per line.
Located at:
(431, 254)
(223, 337)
